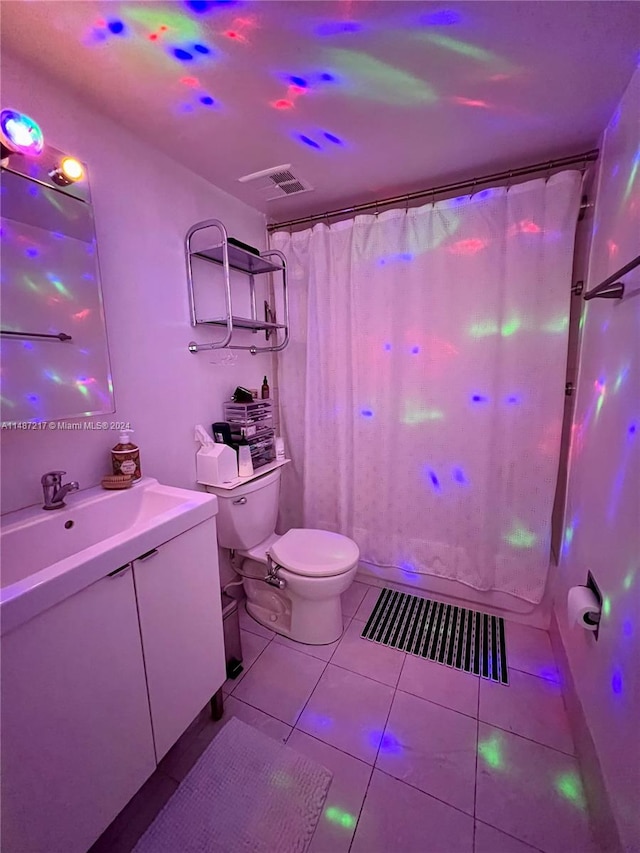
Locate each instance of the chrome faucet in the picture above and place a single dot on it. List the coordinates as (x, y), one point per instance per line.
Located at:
(54, 491)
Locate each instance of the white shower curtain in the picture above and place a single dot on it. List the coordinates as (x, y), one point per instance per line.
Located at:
(422, 393)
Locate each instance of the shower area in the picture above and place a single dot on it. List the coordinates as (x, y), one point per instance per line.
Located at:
(422, 396)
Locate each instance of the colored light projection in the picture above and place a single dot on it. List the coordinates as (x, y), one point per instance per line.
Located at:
(49, 285)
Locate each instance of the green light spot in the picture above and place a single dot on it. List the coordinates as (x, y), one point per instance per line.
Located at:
(180, 27)
(484, 329)
(82, 389)
(30, 284)
(626, 583)
(510, 328)
(600, 402)
(416, 415)
(373, 79)
(53, 376)
(606, 607)
(581, 323)
(520, 537)
(570, 787)
(558, 325)
(335, 815)
(490, 752)
(462, 47)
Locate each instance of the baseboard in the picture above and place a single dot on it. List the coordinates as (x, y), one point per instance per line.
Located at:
(604, 825)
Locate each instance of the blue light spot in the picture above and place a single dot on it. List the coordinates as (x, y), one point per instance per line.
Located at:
(201, 48)
(31, 252)
(199, 6)
(327, 78)
(33, 398)
(616, 681)
(186, 108)
(458, 476)
(307, 141)
(550, 673)
(87, 276)
(366, 413)
(116, 27)
(336, 140)
(627, 628)
(390, 744)
(633, 428)
(300, 82)
(32, 190)
(442, 18)
(57, 235)
(182, 55)
(513, 399)
(435, 482)
(332, 28)
(415, 350)
(27, 345)
(207, 100)
(484, 194)
(387, 347)
(478, 398)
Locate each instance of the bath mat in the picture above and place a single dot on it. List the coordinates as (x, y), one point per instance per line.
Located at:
(454, 636)
(248, 793)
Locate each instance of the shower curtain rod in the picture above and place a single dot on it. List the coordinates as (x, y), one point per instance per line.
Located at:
(548, 165)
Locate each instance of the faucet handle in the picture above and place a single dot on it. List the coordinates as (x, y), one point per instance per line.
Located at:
(52, 478)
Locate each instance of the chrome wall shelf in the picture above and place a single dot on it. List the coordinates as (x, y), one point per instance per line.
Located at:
(231, 257)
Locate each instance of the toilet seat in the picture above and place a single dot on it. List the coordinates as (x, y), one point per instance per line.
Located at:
(314, 553)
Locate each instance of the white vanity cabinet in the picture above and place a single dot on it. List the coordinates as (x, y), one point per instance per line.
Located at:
(181, 625)
(98, 687)
(76, 735)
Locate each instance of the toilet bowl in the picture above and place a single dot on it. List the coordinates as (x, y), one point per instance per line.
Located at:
(293, 582)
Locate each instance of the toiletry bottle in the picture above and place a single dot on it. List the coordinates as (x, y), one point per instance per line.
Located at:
(265, 389)
(245, 463)
(125, 456)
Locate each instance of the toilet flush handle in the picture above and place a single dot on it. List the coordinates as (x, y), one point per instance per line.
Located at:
(240, 501)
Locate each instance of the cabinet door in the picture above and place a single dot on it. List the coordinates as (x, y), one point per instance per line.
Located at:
(178, 589)
(76, 732)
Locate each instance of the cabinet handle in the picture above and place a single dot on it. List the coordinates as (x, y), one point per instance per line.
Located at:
(147, 555)
(240, 501)
(119, 572)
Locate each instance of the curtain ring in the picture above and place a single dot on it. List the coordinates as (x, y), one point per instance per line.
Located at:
(473, 189)
(509, 176)
(546, 180)
(433, 198)
(376, 211)
(406, 204)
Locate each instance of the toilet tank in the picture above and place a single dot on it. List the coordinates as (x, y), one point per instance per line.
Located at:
(247, 514)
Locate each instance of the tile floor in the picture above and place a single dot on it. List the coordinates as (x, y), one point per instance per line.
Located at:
(425, 759)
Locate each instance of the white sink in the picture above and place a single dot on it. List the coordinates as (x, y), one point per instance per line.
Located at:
(47, 556)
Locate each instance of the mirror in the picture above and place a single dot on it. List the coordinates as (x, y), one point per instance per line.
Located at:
(55, 356)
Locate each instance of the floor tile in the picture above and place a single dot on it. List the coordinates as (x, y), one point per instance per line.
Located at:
(367, 604)
(442, 684)
(248, 623)
(530, 706)
(531, 792)
(352, 598)
(432, 748)
(529, 650)
(252, 647)
(280, 682)
(398, 819)
(348, 711)
(346, 794)
(321, 652)
(366, 657)
(490, 840)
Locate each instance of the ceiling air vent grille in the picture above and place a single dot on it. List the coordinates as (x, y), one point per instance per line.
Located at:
(278, 182)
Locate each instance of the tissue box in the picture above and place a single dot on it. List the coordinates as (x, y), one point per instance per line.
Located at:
(215, 464)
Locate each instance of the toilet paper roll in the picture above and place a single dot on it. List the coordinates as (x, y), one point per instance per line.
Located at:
(583, 607)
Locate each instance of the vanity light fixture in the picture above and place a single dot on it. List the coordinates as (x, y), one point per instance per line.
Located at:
(19, 134)
(68, 172)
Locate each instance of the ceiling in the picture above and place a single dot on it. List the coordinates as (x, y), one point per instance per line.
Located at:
(363, 99)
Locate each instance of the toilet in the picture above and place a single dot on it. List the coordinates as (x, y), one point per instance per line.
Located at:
(293, 582)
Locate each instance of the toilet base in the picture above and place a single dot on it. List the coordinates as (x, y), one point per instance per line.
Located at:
(327, 629)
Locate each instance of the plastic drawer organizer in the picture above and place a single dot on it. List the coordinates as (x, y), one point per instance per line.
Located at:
(253, 422)
(231, 255)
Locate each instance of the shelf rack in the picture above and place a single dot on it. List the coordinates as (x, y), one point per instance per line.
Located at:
(234, 257)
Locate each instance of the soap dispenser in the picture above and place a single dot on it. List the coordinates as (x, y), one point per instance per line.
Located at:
(125, 456)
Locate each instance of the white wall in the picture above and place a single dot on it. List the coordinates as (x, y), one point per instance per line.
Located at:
(603, 507)
(143, 203)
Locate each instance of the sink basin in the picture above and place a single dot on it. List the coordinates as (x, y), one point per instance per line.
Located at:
(47, 556)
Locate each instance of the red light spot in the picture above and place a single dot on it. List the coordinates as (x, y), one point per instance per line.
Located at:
(190, 81)
(230, 34)
(163, 29)
(467, 247)
(466, 102)
(153, 36)
(101, 22)
(282, 105)
(529, 227)
(612, 247)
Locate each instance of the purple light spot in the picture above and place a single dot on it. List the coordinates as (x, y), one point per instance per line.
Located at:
(33, 398)
(442, 18)
(390, 744)
(627, 628)
(333, 138)
(633, 428)
(333, 28)
(32, 190)
(31, 252)
(415, 350)
(57, 235)
(182, 55)
(207, 100)
(87, 276)
(199, 6)
(616, 681)
(186, 108)
(550, 673)
(435, 482)
(327, 78)
(478, 398)
(366, 413)
(27, 345)
(484, 194)
(387, 347)
(307, 141)
(458, 476)
(116, 27)
(300, 82)
(513, 399)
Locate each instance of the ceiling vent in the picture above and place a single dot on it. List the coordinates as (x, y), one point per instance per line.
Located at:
(278, 182)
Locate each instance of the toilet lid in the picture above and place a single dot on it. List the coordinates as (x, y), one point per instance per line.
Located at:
(315, 553)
